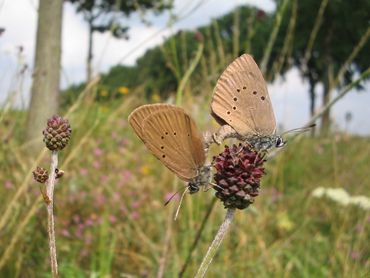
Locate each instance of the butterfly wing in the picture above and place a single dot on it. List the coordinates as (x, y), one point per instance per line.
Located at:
(172, 136)
(241, 99)
(136, 118)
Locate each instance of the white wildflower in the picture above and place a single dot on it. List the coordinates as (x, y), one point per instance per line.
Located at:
(318, 192)
(361, 201)
(340, 196)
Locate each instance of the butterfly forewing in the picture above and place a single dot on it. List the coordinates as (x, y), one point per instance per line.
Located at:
(136, 118)
(241, 98)
(171, 135)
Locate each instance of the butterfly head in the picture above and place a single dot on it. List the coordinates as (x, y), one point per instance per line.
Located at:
(193, 187)
(203, 178)
(279, 142)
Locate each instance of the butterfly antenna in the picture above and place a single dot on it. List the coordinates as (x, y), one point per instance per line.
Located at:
(169, 199)
(179, 206)
(300, 129)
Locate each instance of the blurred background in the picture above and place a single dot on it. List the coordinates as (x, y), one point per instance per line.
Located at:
(94, 61)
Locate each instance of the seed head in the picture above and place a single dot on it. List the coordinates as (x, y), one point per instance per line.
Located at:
(239, 170)
(198, 36)
(57, 133)
(40, 175)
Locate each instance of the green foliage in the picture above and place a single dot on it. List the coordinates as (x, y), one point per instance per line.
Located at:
(70, 95)
(154, 74)
(121, 75)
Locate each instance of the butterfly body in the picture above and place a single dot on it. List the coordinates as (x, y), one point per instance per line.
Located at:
(202, 179)
(264, 142)
(258, 142)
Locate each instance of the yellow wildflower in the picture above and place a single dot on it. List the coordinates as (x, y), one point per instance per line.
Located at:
(144, 170)
(156, 97)
(104, 93)
(123, 90)
(284, 222)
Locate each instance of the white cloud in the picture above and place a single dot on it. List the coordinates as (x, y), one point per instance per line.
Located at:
(110, 51)
(290, 100)
(19, 18)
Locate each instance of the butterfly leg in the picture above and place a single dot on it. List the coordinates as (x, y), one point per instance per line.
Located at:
(224, 132)
(215, 185)
(209, 186)
(261, 154)
(208, 140)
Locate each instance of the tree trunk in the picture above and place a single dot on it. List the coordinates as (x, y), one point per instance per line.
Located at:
(328, 81)
(325, 120)
(312, 104)
(46, 75)
(89, 53)
(312, 101)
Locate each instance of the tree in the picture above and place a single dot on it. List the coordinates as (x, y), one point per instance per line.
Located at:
(107, 15)
(161, 68)
(337, 52)
(45, 85)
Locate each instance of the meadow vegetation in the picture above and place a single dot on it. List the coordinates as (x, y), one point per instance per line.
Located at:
(110, 218)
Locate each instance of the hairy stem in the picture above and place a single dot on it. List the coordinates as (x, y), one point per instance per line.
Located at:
(207, 260)
(49, 206)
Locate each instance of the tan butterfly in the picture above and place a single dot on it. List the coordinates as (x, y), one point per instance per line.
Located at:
(241, 101)
(172, 136)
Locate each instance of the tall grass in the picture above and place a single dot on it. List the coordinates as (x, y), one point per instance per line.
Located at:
(111, 219)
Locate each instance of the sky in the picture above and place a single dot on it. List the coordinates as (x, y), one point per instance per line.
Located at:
(19, 18)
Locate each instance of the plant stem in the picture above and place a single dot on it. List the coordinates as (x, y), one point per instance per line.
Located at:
(197, 237)
(274, 32)
(49, 206)
(189, 71)
(207, 260)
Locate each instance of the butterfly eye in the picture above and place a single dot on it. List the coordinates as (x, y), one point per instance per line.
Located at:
(279, 142)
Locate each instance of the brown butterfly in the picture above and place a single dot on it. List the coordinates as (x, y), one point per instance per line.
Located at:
(241, 104)
(172, 136)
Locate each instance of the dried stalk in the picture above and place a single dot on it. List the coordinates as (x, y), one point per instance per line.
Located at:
(197, 237)
(49, 206)
(207, 260)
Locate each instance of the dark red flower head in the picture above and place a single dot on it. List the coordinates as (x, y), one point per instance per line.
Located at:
(198, 36)
(57, 133)
(40, 174)
(260, 14)
(239, 171)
